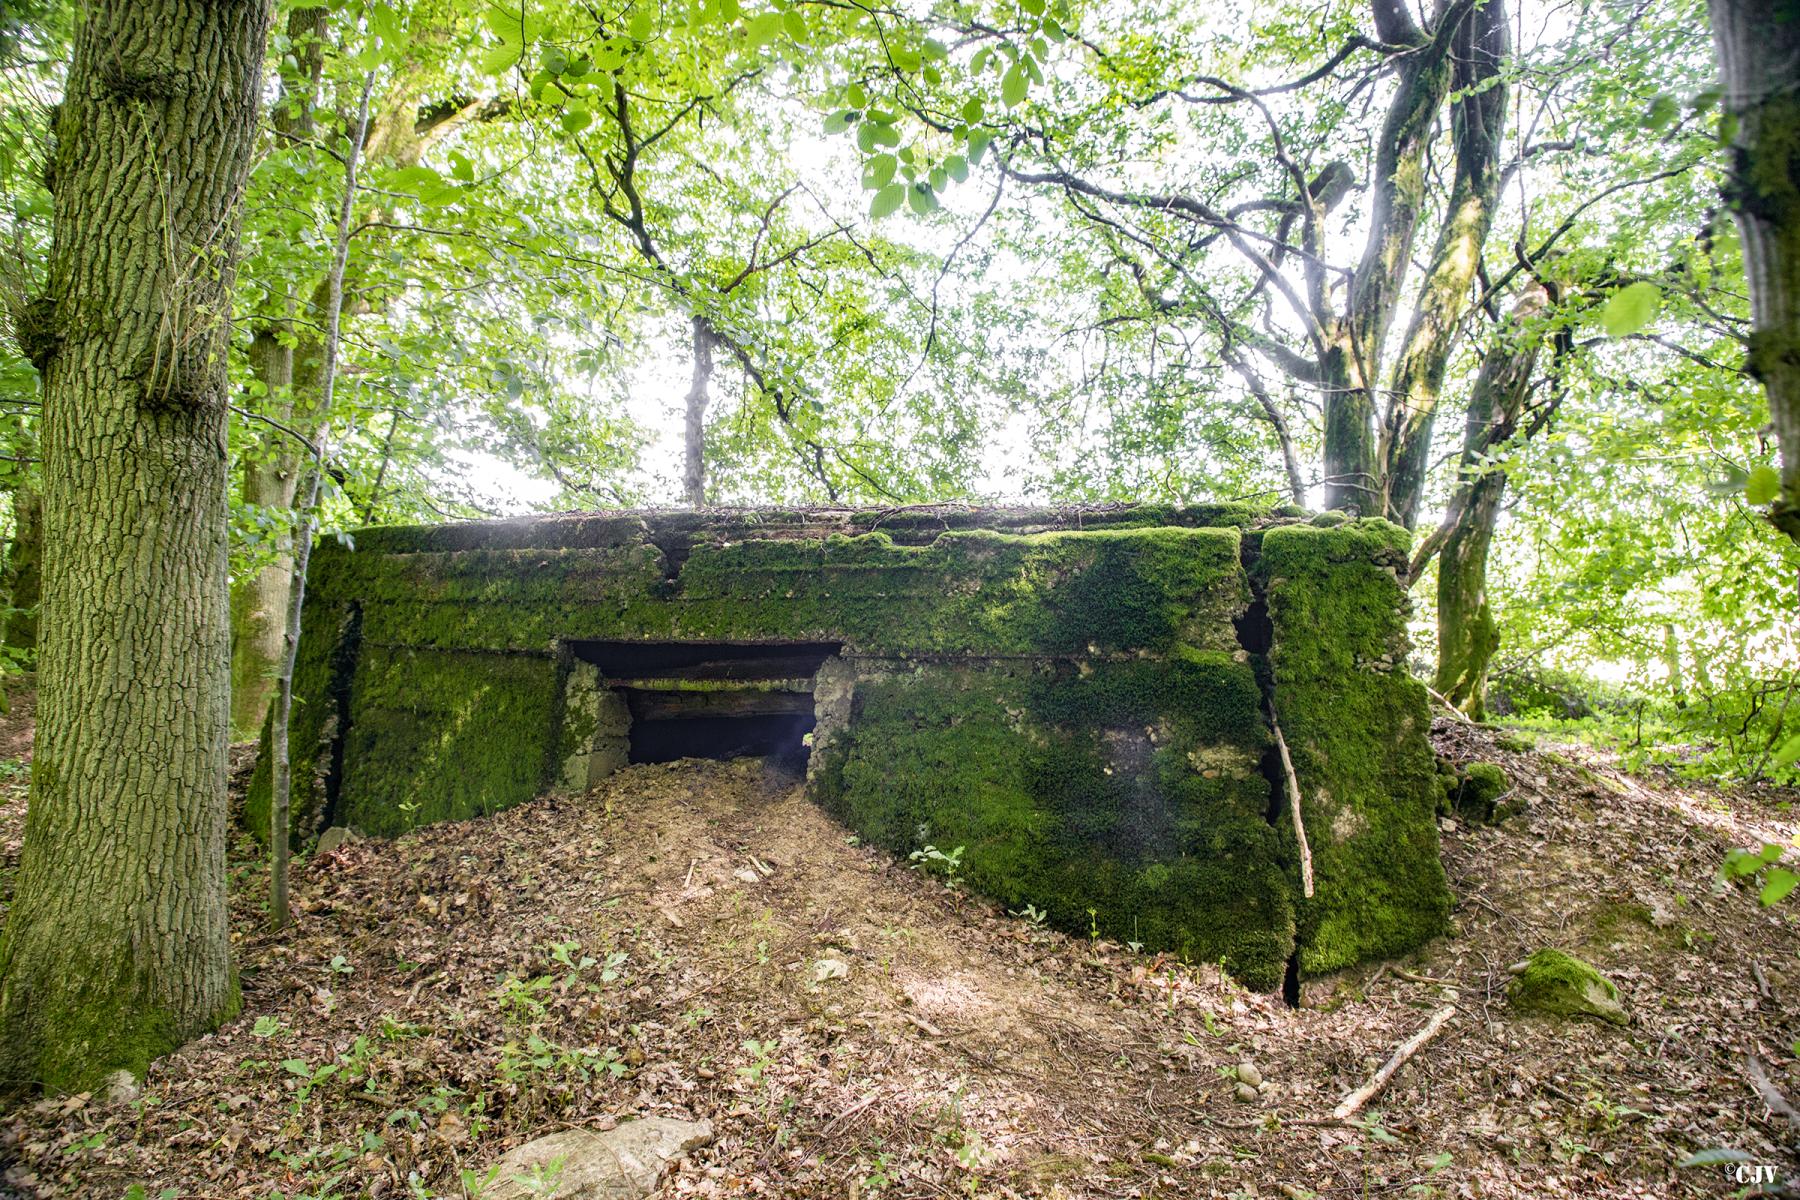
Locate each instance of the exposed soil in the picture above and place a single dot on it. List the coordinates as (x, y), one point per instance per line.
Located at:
(696, 939)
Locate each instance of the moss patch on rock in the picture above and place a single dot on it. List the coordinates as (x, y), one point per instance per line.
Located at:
(1553, 983)
(1355, 723)
(1483, 789)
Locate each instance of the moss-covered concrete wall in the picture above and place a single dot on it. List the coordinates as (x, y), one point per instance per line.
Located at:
(1076, 697)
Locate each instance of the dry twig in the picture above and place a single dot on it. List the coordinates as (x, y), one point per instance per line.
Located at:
(1350, 1104)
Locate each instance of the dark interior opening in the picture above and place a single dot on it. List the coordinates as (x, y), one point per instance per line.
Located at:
(713, 699)
(705, 660)
(780, 736)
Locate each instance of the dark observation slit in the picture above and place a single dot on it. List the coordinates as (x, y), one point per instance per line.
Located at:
(716, 700)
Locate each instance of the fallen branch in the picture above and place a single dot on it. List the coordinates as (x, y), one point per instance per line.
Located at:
(1293, 793)
(1351, 1104)
(1444, 700)
(1770, 1094)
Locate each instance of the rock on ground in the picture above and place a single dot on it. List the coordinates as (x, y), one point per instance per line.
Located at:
(621, 1164)
(1553, 983)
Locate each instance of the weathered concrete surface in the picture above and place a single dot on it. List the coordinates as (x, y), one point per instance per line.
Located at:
(1077, 698)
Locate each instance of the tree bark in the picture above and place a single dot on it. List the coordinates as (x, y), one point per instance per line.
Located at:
(117, 946)
(693, 474)
(1467, 637)
(1759, 58)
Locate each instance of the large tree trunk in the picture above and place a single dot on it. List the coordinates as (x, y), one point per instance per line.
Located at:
(1357, 340)
(23, 579)
(1759, 56)
(117, 947)
(693, 473)
(1467, 637)
(1478, 118)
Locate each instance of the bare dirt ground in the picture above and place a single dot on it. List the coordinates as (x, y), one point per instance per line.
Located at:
(698, 940)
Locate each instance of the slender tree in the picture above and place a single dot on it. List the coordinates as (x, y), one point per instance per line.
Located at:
(1467, 635)
(1759, 57)
(117, 946)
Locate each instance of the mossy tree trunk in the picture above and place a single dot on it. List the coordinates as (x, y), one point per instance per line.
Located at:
(1759, 57)
(1467, 637)
(116, 948)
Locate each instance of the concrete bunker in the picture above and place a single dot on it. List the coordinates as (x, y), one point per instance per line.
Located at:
(1079, 697)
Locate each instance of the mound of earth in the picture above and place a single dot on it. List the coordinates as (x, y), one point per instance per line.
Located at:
(698, 941)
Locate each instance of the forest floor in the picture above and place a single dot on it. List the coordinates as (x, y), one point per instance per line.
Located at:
(655, 948)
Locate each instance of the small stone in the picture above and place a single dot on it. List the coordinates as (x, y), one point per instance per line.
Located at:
(336, 836)
(1552, 983)
(746, 875)
(1245, 1093)
(121, 1087)
(1247, 1073)
(625, 1163)
(830, 968)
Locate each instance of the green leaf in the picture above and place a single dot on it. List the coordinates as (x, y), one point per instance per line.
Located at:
(972, 110)
(1014, 86)
(643, 22)
(881, 170)
(1763, 485)
(958, 167)
(1631, 309)
(841, 120)
(921, 198)
(574, 120)
(762, 29)
(500, 59)
(1778, 885)
(888, 200)
(978, 144)
(1789, 753)
(793, 21)
(1662, 112)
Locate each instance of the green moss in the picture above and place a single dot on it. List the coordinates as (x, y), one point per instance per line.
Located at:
(1355, 724)
(332, 634)
(1097, 821)
(966, 592)
(98, 1018)
(1553, 983)
(442, 736)
(1482, 787)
